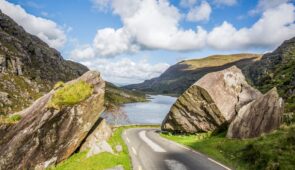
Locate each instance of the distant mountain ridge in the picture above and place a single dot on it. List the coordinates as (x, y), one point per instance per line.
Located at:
(177, 78)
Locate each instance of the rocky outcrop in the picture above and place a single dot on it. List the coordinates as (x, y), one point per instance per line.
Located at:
(28, 66)
(101, 131)
(262, 115)
(276, 69)
(210, 103)
(46, 135)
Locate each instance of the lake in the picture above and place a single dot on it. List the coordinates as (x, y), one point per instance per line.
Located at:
(151, 112)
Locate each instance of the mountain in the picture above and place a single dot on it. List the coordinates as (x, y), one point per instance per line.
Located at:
(115, 96)
(177, 78)
(276, 69)
(28, 67)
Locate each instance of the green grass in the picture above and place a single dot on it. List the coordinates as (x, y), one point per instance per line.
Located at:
(218, 60)
(101, 161)
(272, 151)
(104, 160)
(71, 94)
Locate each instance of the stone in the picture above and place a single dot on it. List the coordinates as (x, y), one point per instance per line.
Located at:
(101, 132)
(46, 135)
(25, 56)
(262, 115)
(99, 147)
(119, 148)
(210, 103)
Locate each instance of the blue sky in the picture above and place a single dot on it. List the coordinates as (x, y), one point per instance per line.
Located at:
(130, 41)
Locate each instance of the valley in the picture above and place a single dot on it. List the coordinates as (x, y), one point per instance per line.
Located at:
(233, 110)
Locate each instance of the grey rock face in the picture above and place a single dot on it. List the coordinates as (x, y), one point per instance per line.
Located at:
(46, 136)
(99, 147)
(260, 116)
(26, 57)
(101, 132)
(210, 103)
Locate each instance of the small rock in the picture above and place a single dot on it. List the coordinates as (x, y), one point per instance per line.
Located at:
(97, 148)
(119, 148)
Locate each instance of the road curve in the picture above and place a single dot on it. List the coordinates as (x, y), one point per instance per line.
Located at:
(149, 151)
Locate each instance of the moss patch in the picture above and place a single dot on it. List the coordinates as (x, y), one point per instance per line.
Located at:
(272, 151)
(71, 94)
(9, 119)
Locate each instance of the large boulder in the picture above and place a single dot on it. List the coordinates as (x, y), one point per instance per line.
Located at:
(47, 135)
(210, 103)
(260, 116)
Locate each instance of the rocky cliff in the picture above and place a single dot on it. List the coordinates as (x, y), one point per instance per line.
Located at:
(179, 77)
(55, 126)
(276, 69)
(28, 67)
(210, 103)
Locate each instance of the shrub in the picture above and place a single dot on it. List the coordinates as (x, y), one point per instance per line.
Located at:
(71, 94)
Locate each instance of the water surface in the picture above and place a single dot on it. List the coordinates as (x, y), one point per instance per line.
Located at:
(151, 112)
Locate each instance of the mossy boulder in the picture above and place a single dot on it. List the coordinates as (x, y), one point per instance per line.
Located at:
(48, 135)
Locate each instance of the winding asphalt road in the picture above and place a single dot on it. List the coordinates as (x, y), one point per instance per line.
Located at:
(149, 151)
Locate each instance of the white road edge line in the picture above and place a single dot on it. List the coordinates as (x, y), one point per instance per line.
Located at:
(219, 163)
(127, 140)
(153, 145)
(139, 167)
(134, 151)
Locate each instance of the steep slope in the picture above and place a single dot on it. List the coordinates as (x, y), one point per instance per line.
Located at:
(176, 79)
(28, 67)
(276, 69)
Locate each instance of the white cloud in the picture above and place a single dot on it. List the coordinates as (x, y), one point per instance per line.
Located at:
(225, 2)
(275, 26)
(200, 13)
(110, 42)
(187, 3)
(85, 52)
(154, 24)
(45, 29)
(126, 71)
(102, 5)
(264, 5)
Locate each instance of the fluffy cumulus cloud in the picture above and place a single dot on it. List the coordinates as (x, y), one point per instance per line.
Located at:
(187, 3)
(147, 24)
(154, 24)
(275, 26)
(225, 2)
(264, 5)
(45, 29)
(127, 71)
(200, 13)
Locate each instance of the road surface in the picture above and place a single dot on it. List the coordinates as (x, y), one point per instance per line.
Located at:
(149, 151)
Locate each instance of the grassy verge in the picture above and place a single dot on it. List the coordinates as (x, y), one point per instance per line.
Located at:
(272, 151)
(103, 160)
